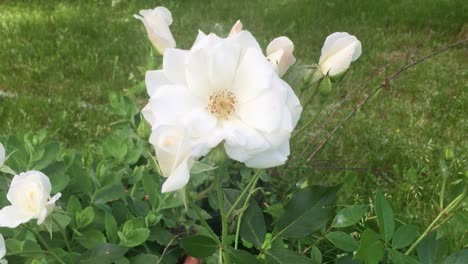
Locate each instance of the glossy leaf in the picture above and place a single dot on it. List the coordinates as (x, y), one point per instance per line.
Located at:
(432, 250)
(404, 236)
(371, 248)
(284, 256)
(308, 210)
(253, 227)
(349, 216)
(199, 246)
(461, 257)
(242, 257)
(342, 241)
(385, 218)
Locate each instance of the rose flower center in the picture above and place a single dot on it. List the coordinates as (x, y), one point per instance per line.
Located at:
(222, 104)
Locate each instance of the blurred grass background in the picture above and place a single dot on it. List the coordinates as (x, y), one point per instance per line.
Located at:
(59, 60)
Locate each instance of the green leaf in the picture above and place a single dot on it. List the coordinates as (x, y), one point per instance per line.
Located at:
(151, 188)
(51, 152)
(57, 175)
(104, 253)
(199, 246)
(253, 227)
(342, 241)
(144, 259)
(134, 237)
(308, 210)
(85, 217)
(401, 258)
(230, 197)
(73, 206)
(325, 86)
(109, 193)
(199, 167)
(91, 238)
(404, 236)
(242, 257)
(458, 258)
(349, 216)
(315, 255)
(371, 248)
(284, 256)
(385, 218)
(432, 250)
(111, 228)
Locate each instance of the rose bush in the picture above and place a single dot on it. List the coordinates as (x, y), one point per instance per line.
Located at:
(220, 118)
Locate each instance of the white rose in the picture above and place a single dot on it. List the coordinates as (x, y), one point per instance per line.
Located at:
(174, 154)
(236, 29)
(29, 195)
(225, 90)
(280, 54)
(2, 249)
(338, 51)
(157, 22)
(2, 155)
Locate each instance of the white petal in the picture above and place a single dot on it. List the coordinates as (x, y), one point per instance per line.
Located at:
(157, 22)
(2, 247)
(2, 155)
(241, 140)
(12, 217)
(254, 75)
(204, 41)
(201, 35)
(280, 43)
(154, 80)
(171, 146)
(263, 112)
(149, 116)
(174, 62)
(246, 41)
(338, 51)
(294, 106)
(179, 177)
(270, 158)
(29, 189)
(211, 69)
(170, 104)
(236, 29)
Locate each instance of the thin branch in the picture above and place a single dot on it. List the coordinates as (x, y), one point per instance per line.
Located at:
(395, 75)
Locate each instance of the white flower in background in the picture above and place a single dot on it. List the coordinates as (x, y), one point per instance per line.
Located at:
(280, 54)
(157, 22)
(236, 29)
(2, 249)
(2, 155)
(225, 90)
(29, 195)
(338, 51)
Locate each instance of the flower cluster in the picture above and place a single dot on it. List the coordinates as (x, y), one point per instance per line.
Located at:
(220, 91)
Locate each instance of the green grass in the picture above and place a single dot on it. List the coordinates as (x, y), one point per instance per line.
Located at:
(63, 58)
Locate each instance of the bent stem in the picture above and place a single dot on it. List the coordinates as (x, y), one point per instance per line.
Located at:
(64, 234)
(44, 243)
(224, 222)
(452, 206)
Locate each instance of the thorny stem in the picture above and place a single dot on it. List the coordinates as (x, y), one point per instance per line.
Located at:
(64, 234)
(244, 207)
(44, 243)
(224, 222)
(452, 206)
(248, 187)
(382, 85)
